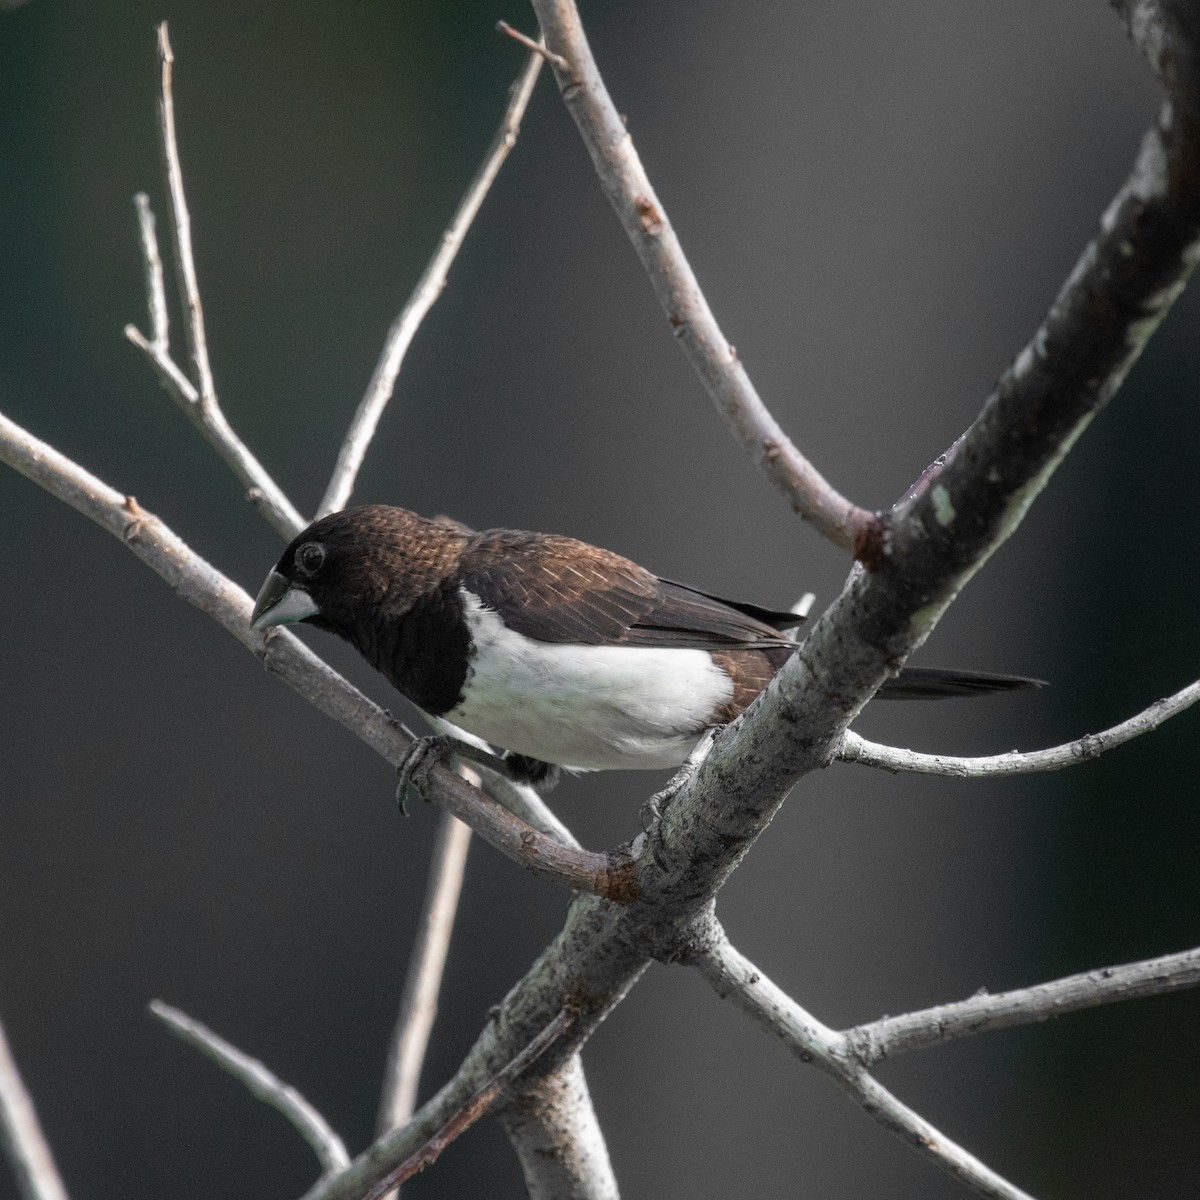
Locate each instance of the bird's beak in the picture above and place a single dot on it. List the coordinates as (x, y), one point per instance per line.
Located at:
(281, 603)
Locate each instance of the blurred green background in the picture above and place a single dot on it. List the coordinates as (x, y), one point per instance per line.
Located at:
(880, 201)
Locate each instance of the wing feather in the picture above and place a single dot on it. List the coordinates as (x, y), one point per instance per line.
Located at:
(557, 589)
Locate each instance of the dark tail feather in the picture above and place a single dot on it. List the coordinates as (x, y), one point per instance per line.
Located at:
(937, 683)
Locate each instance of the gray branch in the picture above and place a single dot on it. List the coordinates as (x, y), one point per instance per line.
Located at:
(552, 1125)
(857, 749)
(932, 545)
(197, 400)
(260, 1082)
(418, 1004)
(483, 1101)
(426, 967)
(644, 219)
(21, 1137)
(429, 287)
(734, 978)
(1023, 1006)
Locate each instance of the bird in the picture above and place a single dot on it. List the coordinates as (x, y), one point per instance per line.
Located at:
(557, 653)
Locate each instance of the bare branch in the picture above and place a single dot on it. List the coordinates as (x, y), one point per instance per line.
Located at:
(734, 978)
(418, 1004)
(260, 1082)
(281, 653)
(552, 1125)
(473, 1109)
(21, 1136)
(199, 402)
(640, 211)
(156, 292)
(857, 749)
(538, 47)
(429, 287)
(1023, 1006)
(1168, 33)
(181, 224)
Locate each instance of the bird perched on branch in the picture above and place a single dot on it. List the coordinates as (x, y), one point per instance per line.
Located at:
(555, 652)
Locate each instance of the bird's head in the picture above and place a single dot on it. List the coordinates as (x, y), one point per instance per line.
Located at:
(346, 568)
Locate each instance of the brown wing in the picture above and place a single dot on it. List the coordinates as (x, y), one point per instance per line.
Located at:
(557, 589)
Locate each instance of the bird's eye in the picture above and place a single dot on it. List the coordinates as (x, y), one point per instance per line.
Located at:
(309, 558)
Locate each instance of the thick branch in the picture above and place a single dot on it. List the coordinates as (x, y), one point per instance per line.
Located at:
(260, 1082)
(1168, 33)
(938, 538)
(1015, 762)
(202, 585)
(640, 211)
(553, 1128)
(21, 1137)
(734, 978)
(1023, 1006)
(429, 287)
(936, 542)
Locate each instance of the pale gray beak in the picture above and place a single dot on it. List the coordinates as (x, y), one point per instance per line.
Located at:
(281, 603)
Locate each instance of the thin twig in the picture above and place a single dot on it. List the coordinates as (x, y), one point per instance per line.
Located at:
(429, 287)
(538, 47)
(475, 1108)
(181, 224)
(199, 583)
(1023, 1006)
(21, 1136)
(418, 1004)
(857, 749)
(734, 978)
(640, 211)
(156, 291)
(260, 1082)
(198, 400)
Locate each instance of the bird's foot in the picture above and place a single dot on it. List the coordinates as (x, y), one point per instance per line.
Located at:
(651, 813)
(650, 817)
(412, 772)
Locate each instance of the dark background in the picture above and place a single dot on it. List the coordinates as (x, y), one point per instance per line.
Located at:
(881, 201)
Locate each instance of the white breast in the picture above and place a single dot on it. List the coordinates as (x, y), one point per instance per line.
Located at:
(592, 707)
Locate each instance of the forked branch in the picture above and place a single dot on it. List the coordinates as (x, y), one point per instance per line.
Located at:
(197, 399)
(1023, 1006)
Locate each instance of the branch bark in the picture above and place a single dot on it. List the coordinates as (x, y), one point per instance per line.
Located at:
(418, 1004)
(644, 219)
(260, 1082)
(933, 544)
(857, 749)
(197, 400)
(429, 287)
(21, 1136)
(1023, 1006)
(474, 1108)
(734, 978)
(553, 1128)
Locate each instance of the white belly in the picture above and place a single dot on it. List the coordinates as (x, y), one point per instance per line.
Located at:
(591, 707)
